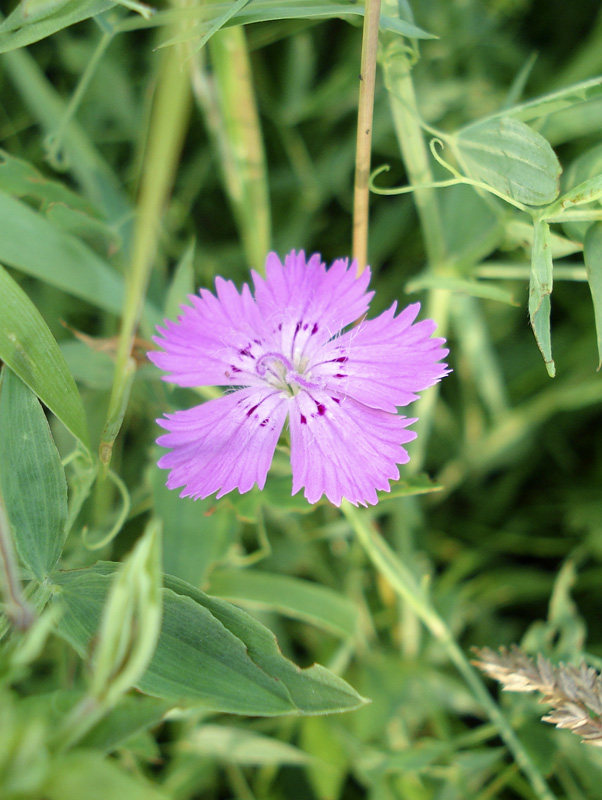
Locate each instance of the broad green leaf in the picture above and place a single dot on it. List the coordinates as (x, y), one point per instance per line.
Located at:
(507, 155)
(31, 244)
(208, 652)
(30, 350)
(540, 289)
(88, 775)
(593, 263)
(314, 690)
(240, 746)
(32, 479)
(297, 598)
(19, 29)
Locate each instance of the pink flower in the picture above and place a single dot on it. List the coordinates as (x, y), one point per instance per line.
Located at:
(284, 353)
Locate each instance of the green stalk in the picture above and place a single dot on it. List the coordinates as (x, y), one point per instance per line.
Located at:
(396, 65)
(365, 111)
(415, 595)
(406, 120)
(167, 128)
(54, 141)
(236, 131)
(226, 98)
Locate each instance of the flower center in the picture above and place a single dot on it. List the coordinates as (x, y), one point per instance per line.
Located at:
(280, 373)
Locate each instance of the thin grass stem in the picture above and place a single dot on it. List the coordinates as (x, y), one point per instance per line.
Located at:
(406, 586)
(365, 112)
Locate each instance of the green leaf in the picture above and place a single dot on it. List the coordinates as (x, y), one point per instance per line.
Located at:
(292, 596)
(520, 234)
(408, 486)
(30, 243)
(593, 264)
(540, 289)
(131, 621)
(20, 178)
(586, 192)
(238, 746)
(507, 155)
(19, 29)
(134, 714)
(30, 350)
(485, 289)
(208, 652)
(88, 775)
(551, 103)
(268, 10)
(32, 479)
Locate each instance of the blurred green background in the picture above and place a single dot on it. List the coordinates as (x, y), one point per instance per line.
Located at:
(142, 154)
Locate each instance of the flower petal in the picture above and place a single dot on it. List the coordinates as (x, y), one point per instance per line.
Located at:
(385, 361)
(344, 449)
(223, 444)
(212, 341)
(308, 304)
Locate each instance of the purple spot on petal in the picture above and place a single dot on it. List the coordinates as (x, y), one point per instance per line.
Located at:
(314, 329)
(340, 375)
(341, 359)
(321, 409)
(336, 400)
(303, 420)
(298, 326)
(279, 326)
(246, 352)
(234, 369)
(306, 326)
(264, 422)
(251, 410)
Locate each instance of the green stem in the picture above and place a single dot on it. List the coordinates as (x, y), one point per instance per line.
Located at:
(55, 140)
(78, 722)
(415, 153)
(365, 112)
(396, 65)
(168, 126)
(406, 586)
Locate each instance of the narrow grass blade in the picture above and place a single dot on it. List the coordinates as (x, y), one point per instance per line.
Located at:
(30, 350)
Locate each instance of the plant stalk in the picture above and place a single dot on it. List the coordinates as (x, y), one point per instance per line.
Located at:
(365, 113)
(405, 586)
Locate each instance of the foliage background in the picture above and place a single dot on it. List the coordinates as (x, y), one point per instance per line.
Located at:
(511, 544)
